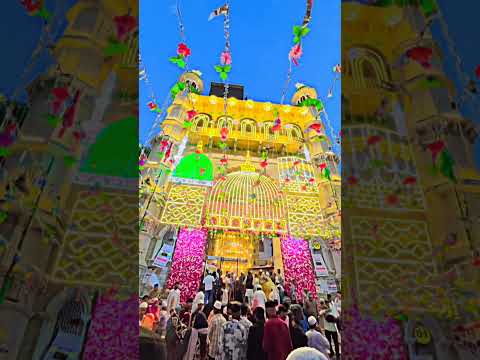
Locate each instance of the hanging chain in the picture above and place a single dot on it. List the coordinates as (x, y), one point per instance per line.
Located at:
(226, 31)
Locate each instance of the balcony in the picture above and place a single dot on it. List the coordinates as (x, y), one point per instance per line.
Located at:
(248, 139)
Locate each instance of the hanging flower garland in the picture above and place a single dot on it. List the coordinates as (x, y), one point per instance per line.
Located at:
(264, 157)
(36, 8)
(277, 123)
(153, 104)
(442, 160)
(124, 26)
(296, 52)
(225, 66)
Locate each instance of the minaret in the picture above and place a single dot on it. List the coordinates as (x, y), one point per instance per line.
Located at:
(177, 112)
(318, 150)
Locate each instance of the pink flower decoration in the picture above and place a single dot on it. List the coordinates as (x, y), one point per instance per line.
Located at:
(191, 114)
(366, 338)
(226, 58)
(113, 333)
(295, 53)
(183, 50)
(187, 264)
(297, 263)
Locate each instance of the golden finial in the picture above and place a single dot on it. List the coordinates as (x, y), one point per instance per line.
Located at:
(247, 166)
(200, 146)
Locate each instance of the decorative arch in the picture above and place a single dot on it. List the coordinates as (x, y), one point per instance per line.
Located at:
(192, 84)
(176, 111)
(245, 196)
(303, 98)
(267, 131)
(248, 126)
(201, 121)
(369, 67)
(225, 121)
(294, 131)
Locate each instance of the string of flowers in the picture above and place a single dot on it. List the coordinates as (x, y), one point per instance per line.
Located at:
(223, 69)
(296, 51)
(182, 61)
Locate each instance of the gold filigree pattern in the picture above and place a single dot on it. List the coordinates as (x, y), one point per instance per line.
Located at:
(395, 255)
(97, 245)
(246, 200)
(304, 214)
(376, 192)
(184, 205)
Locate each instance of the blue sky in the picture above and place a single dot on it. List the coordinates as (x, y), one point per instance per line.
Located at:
(464, 32)
(261, 37)
(20, 34)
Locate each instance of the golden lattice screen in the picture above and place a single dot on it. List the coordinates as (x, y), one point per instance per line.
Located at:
(97, 246)
(396, 256)
(184, 205)
(305, 215)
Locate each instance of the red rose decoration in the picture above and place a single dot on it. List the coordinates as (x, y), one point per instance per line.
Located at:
(183, 50)
(191, 114)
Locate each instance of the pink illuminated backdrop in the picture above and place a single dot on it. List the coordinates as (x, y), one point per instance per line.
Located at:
(297, 264)
(367, 338)
(187, 264)
(113, 333)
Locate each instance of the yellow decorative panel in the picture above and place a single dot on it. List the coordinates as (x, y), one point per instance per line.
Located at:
(304, 215)
(246, 200)
(184, 205)
(97, 246)
(380, 193)
(396, 256)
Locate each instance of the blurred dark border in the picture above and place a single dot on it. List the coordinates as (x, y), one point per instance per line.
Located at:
(410, 185)
(69, 180)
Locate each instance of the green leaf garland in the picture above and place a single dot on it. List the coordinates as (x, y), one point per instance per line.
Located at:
(299, 32)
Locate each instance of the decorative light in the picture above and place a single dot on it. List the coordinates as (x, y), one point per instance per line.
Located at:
(213, 99)
(268, 106)
(249, 104)
(287, 108)
(232, 101)
(187, 264)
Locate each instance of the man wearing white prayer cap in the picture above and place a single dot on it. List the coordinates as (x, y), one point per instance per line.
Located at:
(316, 339)
(215, 332)
(306, 353)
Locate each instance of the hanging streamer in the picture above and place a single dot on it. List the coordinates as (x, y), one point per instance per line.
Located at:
(299, 32)
(224, 68)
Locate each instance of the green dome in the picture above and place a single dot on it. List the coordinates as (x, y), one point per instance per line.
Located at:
(190, 168)
(115, 152)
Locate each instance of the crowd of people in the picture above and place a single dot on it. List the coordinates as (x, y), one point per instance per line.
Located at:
(249, 317)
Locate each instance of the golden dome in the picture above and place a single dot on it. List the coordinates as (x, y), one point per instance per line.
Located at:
(246, 200)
